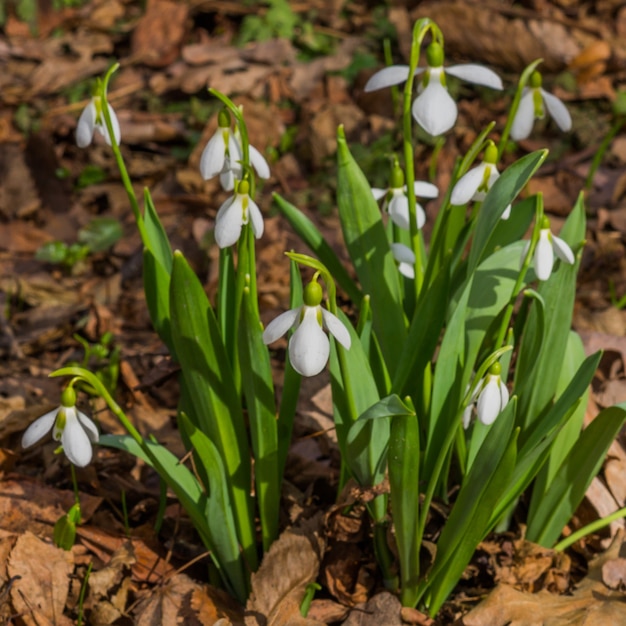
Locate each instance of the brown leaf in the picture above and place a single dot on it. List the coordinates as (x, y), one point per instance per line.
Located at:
(278, 586)
(158, 36)
(383, 608)
(41, 591)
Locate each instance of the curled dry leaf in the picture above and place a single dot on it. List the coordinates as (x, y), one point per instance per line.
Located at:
(278, 586)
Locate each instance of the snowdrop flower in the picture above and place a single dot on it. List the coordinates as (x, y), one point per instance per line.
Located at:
(548, 246)
(475, 184)
(531, 108)
(69, 425)
(234, 213)
(309, 346)
(223, 155)
(396, 202)
(434, 109)
(91, 120)
(405, 258)
(491, 396)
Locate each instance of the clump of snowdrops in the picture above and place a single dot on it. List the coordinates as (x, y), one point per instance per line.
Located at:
(462, 374)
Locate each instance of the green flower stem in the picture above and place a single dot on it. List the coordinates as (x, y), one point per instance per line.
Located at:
(588, 529)
(515, 105)
(75, 484)
(519, 283)
(119, 159)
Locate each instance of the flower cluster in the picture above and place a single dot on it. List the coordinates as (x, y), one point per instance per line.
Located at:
(309, 347)
(70, 426)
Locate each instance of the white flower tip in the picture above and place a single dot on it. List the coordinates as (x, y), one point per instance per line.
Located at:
(388, 76)
(337, 329)
(434, 109)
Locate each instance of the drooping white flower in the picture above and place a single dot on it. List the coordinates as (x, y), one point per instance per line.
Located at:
(434, 109)
(236, 211)
(491, 397)
(92, 120)
(405, 258)
(547, 247)
(223, 155)
(475, 184)
(69, 425)
(396, 202)
(532, 106)
(309, 347)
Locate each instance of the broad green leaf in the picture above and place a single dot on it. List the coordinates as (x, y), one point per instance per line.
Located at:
(311, 236)
(212, 519)
(258, 388)
(158, 243)
(156, 284)
(575, 475)
(537, 376)
(503, 192)
(369, 250)
(214, 405)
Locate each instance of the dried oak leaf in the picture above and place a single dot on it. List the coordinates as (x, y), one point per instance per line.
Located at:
(593, 602)
(278, 586)
(40, 589)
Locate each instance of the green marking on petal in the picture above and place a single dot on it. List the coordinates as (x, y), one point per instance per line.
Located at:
(538, 104)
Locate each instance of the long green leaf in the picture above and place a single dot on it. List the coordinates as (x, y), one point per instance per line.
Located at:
(369, 250)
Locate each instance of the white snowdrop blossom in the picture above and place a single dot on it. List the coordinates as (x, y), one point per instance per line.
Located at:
(491, 397)
(70, 426)
(309, 347)
(396, 202)
(92, 120)
(223, 155)
(533, 103)
(434, 109)
(475, 184)
(236, 211)
(547, 247)
(405, 258)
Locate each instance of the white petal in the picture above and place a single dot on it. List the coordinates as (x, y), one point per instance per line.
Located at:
(258, 162)
(399, 210)
(504, 395)
(480, 195)
(544, 256)
(75, 442)
(467, 185)
(489, 401)
(524, 117)
(88, 425)
(406, 270)
(227, 176)
(86, 125)
(280, 325)
(378, 193)
(388, 76)
(337, 329)
(425, 190)
(434, 109)
(507, 213)
(557, 110)
(234, 149)
(116, 127)
(309, 347)
(39, 428)
(402, 253)
(563, 251)
(228, 222)
(477, 74)
(213, 155)
(256, 218)
(420, 216)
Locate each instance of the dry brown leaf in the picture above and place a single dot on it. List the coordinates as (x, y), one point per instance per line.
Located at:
(592, 602)
(383, 608)
(159, 34)
(278, 586)
(40, 590)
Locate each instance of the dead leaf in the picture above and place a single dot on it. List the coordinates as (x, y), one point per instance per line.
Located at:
(278, 586)
(383, 608)
(40, 593)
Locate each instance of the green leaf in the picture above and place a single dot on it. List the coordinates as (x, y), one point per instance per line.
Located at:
(52, 252)
(311, 236)
(369, 250)
(157, 243)
(156, 284)
(64, 535)
(575, 475)
(207, 383)
(503, 192)
(91, 175)
(101, 233)
(258, 388)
